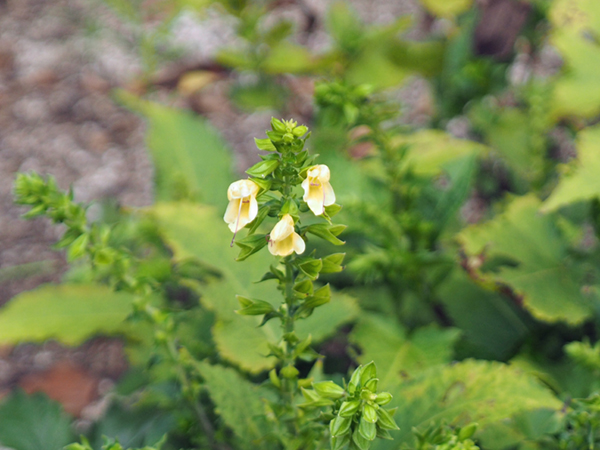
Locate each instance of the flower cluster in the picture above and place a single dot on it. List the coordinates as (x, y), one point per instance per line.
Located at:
(271, 174)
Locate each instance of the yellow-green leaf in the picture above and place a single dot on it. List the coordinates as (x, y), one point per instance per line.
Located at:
(386, 343)
(430, 150)
(69, 313)
(191, 159)
(539, 270)
(468, 391)
(447, 8)
(582, 180)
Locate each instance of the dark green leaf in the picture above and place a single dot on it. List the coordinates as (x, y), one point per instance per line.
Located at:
(33, 423)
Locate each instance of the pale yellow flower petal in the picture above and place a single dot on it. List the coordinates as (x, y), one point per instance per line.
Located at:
(318, 192)
(243, 207)
(283, 240)
(329, 195)
(299, 244)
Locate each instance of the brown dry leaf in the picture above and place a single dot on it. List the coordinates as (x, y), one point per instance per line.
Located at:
(66, 383)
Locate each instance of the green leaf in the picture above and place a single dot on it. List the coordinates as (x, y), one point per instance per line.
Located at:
(69, 313)
(328, 389)
(310, 267)
(576, 91)
(333, 263)
(327, 232)
(33, 423)
(429, 151)
(465, 392)
(582, 181)
(255, 308)
(447, 8)
(367, 429)
(550, 285)
(386, 343)
(191, 160)
(250, 245)
(194, 231)
(132, 427)
(320, 297)
(511, 134)
(238, 402)
(491, 325)
(265, 144)
(287, 57)
(263, 168)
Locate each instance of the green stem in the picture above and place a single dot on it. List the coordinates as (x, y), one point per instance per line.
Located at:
(198, 409)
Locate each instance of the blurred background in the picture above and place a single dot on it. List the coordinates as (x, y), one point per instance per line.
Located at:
(68, 68)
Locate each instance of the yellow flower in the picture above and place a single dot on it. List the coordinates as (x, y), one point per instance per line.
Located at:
(318, 193)
(284, 240)
(243, 207)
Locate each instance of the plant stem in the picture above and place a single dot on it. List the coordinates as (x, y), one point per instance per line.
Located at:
(198, 409)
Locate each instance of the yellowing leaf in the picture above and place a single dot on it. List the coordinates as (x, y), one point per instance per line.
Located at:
(582, 182)
(68, 313)
(468, 391)
(541, 273)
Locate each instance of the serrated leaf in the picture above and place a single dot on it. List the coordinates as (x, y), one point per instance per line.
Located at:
(226, 389)
(468, 391)
(191, 159)
(194, 231)
(544, 277)
(386, 343)
(582, 182)
(69, 313)
(33, 423)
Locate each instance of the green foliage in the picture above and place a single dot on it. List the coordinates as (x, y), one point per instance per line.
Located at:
(33, 423)
(469, 391)
(111, 445)
(194, 231)
(581, 425)
(68, 313)
(492, 325)
(431, 152)
(519, 286)
(358, 409)
(192, 161)
(447, 8)
(238, 403)
(447, 438)
(576, 92)
(531, 260)
(580, 180)
(387, 344)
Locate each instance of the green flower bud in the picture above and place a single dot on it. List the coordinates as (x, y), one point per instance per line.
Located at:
(383, 398)
(329, 389)
(348, 409)
(289, 372)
